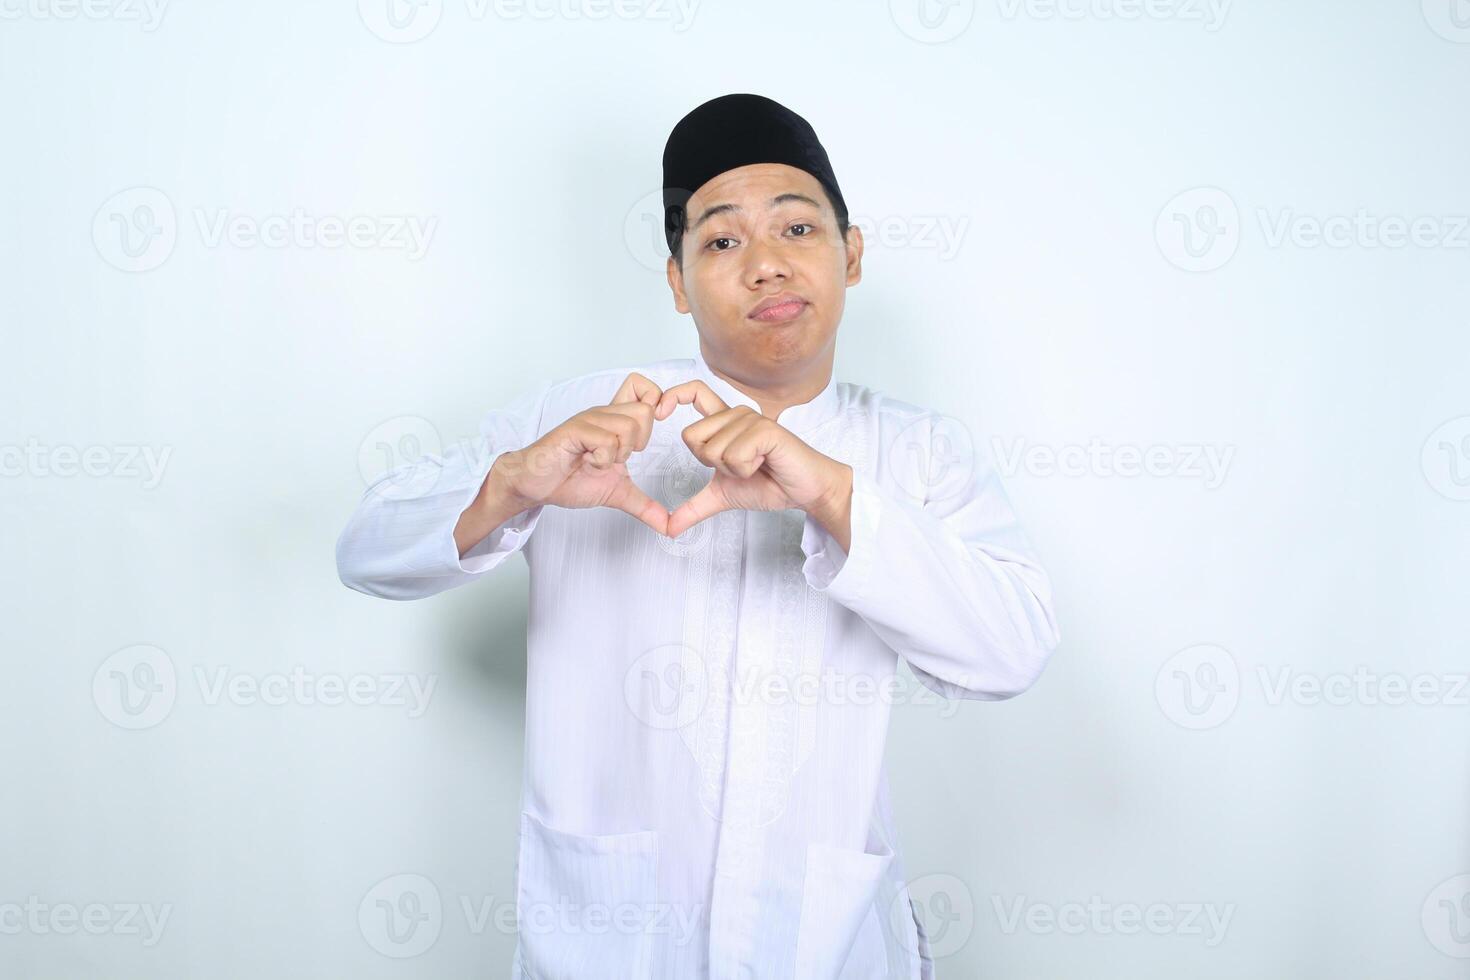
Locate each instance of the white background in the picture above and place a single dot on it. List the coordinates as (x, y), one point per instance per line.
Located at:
(1034, 279)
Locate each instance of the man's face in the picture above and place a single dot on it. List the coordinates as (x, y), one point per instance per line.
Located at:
(772, 233)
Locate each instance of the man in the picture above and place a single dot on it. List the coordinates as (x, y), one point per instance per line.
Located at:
(729, 554)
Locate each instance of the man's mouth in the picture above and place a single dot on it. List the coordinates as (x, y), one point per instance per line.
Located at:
(779, 309)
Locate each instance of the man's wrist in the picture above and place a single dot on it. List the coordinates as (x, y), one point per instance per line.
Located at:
(498, 493)
(496, 503)
(833, 510)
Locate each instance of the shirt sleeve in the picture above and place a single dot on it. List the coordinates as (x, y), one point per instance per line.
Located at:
(948, 580)
(399, 543)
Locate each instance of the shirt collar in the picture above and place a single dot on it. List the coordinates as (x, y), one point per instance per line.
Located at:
(796, 418)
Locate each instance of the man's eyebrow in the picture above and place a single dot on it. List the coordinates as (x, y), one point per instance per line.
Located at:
(786, 198)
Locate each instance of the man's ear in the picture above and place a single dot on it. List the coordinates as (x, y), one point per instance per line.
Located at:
(854, 255)
(676, 283)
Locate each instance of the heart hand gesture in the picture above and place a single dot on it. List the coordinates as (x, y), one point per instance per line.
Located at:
(759, 465)
(583, 462)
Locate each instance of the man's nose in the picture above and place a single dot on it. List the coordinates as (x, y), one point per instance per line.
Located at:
(766, 260)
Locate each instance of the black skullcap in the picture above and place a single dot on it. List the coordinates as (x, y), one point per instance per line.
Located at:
(734, 131)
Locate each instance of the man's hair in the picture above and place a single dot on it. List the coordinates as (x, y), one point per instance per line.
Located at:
(838, 209)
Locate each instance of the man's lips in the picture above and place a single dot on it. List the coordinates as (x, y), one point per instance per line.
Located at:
(782, 309)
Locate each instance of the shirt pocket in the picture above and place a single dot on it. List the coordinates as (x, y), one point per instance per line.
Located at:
(837, 896)
(585, 905)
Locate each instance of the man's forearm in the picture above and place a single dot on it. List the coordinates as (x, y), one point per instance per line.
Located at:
(493, 506)
(835, 512)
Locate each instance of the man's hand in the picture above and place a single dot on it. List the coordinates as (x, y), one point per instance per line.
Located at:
(580, 463)
(759, 465)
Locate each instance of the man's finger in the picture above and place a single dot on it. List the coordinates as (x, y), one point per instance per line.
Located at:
(695, 392)
(599, 444)
(710, 438)
(632, 421)
(637, 388)
(706, 503)
(632, 500)
(747, 450)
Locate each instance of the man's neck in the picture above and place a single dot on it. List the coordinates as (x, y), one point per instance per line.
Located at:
(775, 397)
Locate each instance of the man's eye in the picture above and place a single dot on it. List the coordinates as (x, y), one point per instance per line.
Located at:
(802, 225)
(716, 241)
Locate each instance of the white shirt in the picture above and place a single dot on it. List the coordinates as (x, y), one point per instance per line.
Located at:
(704, 790)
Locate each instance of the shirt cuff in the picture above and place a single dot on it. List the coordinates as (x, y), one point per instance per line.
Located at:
(505, 540)
(843, 575)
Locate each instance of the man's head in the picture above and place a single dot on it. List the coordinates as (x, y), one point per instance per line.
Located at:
(765, 219)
